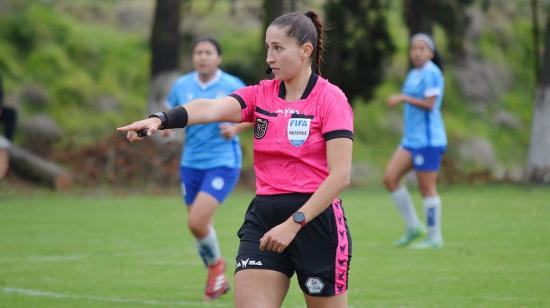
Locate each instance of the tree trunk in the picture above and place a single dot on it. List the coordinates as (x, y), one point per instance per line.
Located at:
(538, 169)
(417, 16)
(38, 170)
(164, 51)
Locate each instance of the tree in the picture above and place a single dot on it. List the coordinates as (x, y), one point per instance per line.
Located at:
(422, 15)
(538, 169)
(164, 51)
(358, 45)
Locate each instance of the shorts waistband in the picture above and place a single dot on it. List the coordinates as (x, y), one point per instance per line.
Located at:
(295, 197)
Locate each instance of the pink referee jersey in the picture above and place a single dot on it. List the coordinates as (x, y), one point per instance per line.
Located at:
(290, 137)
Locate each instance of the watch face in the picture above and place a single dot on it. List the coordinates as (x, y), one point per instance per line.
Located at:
(299, 217)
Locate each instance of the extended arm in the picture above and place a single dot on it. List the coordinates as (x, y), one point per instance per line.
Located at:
(226, 109)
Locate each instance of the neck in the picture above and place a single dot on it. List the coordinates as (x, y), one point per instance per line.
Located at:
(204, 78)
(296, 86)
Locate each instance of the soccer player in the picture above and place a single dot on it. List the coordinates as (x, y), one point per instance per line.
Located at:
(211, 157)
(423, 143)
(303, 130)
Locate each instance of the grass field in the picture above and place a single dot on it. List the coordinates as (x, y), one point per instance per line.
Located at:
(121, 250)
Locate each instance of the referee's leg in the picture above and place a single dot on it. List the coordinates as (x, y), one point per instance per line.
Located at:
(260, 288)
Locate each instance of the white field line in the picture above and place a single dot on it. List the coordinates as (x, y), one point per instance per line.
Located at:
(153, 302)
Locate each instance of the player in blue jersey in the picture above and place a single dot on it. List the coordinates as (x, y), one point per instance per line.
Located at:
(423, 143)
(211, 157)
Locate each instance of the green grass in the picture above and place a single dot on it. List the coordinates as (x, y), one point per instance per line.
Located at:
(126, 250)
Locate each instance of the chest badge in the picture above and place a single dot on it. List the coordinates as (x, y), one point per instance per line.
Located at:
(298, 130)
(260, 128)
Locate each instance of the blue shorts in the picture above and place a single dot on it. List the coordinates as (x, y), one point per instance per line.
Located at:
(426, 159)
(217, 182)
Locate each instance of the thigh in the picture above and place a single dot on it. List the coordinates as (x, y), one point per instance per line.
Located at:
(399, 164)
(336, 301)
(202, 209)
(260, 288)
(219, 182)
(4, 162)
(427, 182)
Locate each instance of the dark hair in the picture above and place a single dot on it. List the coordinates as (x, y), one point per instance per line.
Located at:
(210, 40)
(438, 60)
(305, 28)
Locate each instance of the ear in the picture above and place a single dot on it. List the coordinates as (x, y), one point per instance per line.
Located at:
(307, 49)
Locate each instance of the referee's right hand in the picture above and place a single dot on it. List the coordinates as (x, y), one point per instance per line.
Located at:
(148, 126)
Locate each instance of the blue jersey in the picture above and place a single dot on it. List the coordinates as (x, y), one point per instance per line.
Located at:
(205, 147)
(423, 127)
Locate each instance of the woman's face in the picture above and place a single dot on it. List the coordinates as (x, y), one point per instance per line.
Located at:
(420, 53)
(206, 59)
(284, 54)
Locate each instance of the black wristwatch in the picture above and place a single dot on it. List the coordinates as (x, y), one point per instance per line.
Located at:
(161, 116)
(299, 218)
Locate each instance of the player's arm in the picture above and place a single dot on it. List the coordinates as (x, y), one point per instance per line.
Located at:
(230, 130)
(226, 109)
(339, 153)
(426, 103)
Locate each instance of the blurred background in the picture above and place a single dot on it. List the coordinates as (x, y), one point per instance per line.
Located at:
(75, 70)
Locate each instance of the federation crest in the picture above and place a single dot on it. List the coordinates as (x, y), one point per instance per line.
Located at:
(298, 130)
(314, 285)
(260, 128)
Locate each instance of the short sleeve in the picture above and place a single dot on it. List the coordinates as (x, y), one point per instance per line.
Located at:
(247, 98)
(337, 118)
(432, 83)
(172, 98)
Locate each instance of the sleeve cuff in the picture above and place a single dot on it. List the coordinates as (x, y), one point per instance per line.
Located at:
(338, 134)
(240, 99)
(432, 92)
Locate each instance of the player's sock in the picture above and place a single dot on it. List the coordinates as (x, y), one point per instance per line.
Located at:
(404, 204)
(432, 207)
(209, 247)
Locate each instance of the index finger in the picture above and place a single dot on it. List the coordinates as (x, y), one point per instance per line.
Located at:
(131, 127)
(263, 243)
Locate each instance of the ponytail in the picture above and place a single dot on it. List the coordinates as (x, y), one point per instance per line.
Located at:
(316, 63)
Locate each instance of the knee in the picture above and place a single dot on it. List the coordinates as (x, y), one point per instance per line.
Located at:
(427, 191)
(197, 227)
(390, 182)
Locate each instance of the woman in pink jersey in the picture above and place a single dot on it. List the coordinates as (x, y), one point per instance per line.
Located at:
(303, 130)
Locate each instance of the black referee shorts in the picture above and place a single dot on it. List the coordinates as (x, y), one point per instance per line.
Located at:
(320, 253)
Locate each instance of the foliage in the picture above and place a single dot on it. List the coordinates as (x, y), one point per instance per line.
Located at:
(358, 45)
(77, 63)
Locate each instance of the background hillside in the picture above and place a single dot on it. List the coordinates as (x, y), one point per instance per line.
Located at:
(77, 69)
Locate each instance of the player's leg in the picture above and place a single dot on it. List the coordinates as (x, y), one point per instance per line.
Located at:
(260, 288)
(216, 185)
(4, 162)
(398, 166)
(427, 182)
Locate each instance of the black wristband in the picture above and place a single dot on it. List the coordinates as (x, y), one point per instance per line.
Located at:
(176, 118)
(162, 118)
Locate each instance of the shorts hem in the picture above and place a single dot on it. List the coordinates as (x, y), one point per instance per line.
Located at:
(270, 268)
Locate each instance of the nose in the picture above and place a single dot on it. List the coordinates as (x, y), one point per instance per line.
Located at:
(269, 57)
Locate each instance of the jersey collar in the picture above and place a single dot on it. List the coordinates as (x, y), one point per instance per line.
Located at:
(310, 84)
(212, 81)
